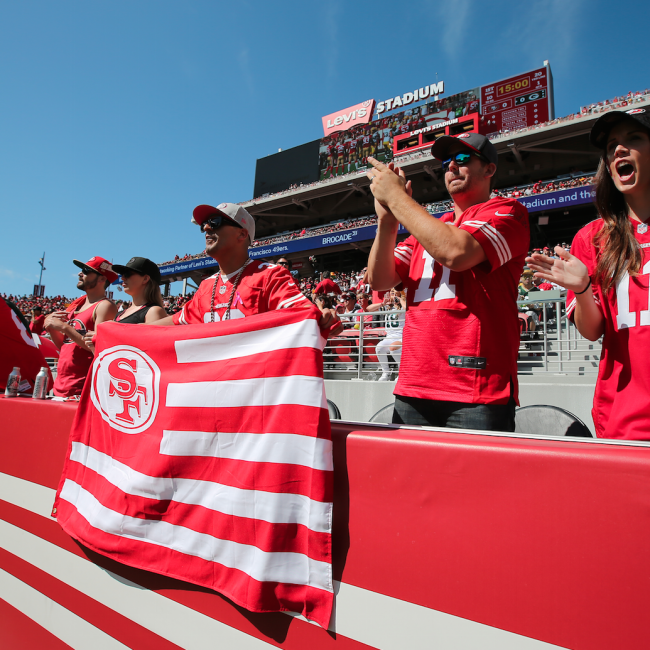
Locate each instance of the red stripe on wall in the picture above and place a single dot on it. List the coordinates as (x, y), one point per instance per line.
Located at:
(19, 632)
(36, 441)
(119, 627)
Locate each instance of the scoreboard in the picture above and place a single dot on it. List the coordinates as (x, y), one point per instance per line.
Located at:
(524, 100)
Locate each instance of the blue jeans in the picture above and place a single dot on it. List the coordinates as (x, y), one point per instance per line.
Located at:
(455, 415)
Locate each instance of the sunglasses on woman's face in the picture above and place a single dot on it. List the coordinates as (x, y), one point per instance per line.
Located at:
(218, 221)
(128, 274)
(461, 158)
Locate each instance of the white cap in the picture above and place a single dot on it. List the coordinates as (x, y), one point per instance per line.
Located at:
(229, 210)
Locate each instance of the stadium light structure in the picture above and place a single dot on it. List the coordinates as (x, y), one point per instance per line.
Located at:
(41, 263)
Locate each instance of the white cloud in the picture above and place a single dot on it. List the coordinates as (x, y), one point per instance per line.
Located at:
(549, 26)
(245, 70)
(330, 25)
(454, 18)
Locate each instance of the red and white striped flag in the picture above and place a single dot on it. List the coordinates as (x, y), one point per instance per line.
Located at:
(204, 453)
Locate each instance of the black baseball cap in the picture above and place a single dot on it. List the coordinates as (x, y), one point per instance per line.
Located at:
(604, 124)
(473, 141)
(142, 266)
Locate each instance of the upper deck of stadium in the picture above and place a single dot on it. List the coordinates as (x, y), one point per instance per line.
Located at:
(560, 146)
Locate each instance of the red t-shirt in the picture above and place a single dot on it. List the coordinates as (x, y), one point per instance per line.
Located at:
(327, 286)
(263, 287)
(620, 401)
(37, 325)
(469, 313)
(75, 361)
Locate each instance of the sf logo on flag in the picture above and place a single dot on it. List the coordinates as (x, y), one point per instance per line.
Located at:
(125, 388)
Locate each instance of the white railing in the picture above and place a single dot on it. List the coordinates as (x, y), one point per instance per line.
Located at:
(554, 347)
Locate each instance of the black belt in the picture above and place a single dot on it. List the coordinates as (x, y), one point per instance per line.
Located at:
(475, 363)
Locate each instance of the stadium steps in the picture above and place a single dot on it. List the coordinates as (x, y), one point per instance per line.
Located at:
(575, 357)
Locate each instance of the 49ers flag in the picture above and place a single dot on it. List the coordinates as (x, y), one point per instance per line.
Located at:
(204, 453)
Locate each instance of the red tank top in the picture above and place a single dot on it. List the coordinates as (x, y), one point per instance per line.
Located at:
(75, 361)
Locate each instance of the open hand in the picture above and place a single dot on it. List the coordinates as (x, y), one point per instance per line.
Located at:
(57, 320)
(568, 271)
(88, 340)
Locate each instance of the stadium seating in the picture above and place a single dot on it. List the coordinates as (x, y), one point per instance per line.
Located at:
(383, 415)
(544, 420)
(333, 409)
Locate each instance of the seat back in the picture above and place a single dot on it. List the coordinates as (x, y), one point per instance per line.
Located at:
(545, 420)
(333, 409)
(383, 415)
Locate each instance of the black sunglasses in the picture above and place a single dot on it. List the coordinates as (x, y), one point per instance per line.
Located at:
(284, 264)
(218, 221)
(461, 158)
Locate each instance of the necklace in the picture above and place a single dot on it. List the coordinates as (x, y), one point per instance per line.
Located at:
(232, 293)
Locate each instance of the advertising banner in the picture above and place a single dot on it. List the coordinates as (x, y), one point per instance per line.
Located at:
(347, 150)
(349, 117)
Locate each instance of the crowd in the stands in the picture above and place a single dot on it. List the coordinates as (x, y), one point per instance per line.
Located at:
(585, 111)
(539, 187)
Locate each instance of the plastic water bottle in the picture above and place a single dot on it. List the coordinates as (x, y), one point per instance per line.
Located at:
(40, 384)
(372, 376)
(13, 382)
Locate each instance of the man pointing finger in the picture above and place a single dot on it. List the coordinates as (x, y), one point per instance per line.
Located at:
(459, 360)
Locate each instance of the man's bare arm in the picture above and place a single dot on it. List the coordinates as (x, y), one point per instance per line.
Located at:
(452, 247)
(381, 262)
(168, 320)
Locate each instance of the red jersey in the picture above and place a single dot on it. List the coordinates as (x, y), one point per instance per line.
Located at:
(620, 401)
(37, 325)
(262, 287)
(327, 286)
(340, 148)
(75, 361)
(473, 313)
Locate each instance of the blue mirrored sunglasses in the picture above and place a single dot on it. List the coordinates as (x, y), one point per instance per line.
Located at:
(461, 158)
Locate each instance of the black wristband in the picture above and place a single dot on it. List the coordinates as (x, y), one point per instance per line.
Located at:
(581, 292)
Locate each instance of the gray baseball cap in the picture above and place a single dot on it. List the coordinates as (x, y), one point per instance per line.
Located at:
(228, 210)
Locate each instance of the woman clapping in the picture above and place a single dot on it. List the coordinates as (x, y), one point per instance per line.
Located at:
(606, 274)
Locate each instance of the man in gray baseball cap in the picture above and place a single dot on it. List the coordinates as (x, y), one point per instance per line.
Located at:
(460, 272)
(242, 287)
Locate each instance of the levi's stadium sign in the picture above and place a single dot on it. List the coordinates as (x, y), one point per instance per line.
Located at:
(349, 117)
(431, 92)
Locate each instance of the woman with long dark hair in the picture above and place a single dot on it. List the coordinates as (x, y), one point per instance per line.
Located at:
(606, 274)
(140, 280)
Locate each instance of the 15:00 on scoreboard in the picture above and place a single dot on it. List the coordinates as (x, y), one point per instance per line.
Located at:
(523, 83)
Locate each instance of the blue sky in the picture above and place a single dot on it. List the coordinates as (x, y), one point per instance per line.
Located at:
(117, 118)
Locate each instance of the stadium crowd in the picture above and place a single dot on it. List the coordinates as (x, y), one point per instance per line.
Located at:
(585, 111)
(540, 187)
